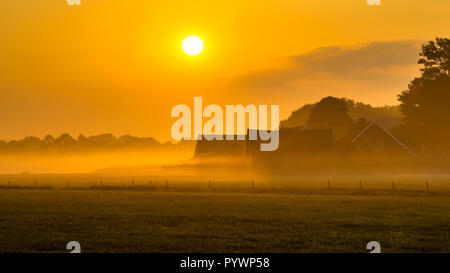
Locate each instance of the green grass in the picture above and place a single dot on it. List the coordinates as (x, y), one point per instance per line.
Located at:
(188, 221)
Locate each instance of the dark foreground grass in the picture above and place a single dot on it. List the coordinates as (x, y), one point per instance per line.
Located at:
(157, 221)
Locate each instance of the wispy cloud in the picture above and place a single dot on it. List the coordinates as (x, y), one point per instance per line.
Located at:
(376, 69)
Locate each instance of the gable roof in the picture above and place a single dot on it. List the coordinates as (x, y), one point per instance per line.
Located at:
(353, 135)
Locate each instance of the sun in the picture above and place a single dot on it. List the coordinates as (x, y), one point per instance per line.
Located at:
(192, 45)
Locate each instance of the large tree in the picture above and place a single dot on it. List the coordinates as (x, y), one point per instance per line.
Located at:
(298, 117)
(425, 105)
(387, 116)
(330, 113)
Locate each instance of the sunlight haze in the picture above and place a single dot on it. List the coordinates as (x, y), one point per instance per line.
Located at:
(116, 66)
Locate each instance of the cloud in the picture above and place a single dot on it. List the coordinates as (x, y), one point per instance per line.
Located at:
(365, 71)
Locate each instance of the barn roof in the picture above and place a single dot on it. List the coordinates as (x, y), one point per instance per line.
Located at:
(360, 129)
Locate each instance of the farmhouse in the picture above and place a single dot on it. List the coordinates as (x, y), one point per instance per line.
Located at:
(371, 140)
(207, 149)
(304, 149)
(298, 142)
(294, 142)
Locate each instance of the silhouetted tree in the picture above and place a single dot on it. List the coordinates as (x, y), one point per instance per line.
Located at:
(435, 57)
(101, 141)
(425, 105)
(65, 141)
(298, 117)
(31, 143)
(330, 113)
(388, 116)
(81, 139)
(48, 141)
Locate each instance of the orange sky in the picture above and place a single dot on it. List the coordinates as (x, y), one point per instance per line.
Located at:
(117, 66)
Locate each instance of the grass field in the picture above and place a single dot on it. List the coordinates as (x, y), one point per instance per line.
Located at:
(252, 220)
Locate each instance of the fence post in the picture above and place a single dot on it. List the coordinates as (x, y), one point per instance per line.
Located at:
(393, 186)
(428, 187)
(209, 184)
(132, 183)
(328, 183)
(9, 184)
(68, 184)
(360, 185)
(167, 184)
(35, 184)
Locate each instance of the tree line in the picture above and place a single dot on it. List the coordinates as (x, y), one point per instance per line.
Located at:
(102, 142)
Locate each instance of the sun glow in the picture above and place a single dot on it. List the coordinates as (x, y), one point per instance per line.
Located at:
(192, 45)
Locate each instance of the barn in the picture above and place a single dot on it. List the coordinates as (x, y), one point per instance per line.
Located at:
(299, 148)
(371, 140)
(296, 143)
(207, 149)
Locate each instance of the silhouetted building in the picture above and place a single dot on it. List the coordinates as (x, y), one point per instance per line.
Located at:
(299, 148)
(295, 143)
(302, 149)
(370, 141)
(220, 148)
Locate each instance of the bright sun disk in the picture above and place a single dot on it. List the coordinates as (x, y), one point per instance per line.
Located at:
(192, 45)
